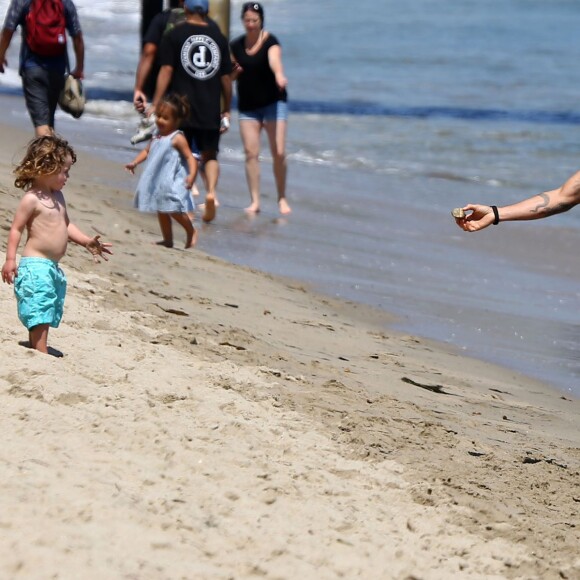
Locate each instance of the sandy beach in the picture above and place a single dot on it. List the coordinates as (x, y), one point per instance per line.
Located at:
(208, 421)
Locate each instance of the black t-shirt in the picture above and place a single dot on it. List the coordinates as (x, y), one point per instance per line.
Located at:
(257, 84)
(154, 35)
(199, 56)
(160, 25)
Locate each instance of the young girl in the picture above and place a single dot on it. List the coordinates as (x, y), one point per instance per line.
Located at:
(165, 185)
(39, 283)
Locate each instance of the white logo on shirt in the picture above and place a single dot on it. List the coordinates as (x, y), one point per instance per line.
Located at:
(201, 57)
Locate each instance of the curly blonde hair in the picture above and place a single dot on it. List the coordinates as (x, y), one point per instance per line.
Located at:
(44, 156)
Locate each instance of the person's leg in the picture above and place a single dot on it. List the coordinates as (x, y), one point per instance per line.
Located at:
(43, 131)
(208, 141)
(202, 174)
(56, 82)
(166, 230)
(38, 336)
(35, 86)
(212, 172)
(190, 232)
(41, 90)
(276, 131)
(40, 290)
(250, 134)
(194, 191)
(189, 135)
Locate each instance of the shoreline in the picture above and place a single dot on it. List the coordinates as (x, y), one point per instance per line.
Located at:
(210, 420)
(427, 281)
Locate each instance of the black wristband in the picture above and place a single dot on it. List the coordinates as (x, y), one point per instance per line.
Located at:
(496, 214)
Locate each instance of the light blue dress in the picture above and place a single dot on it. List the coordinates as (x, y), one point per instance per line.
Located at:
(161, 187)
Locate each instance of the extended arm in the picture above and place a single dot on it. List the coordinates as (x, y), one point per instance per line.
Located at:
(536, 207)
(143, 70)
(79, 49)
(275, 61)
(5, 39)
(163, 80)
(237, 70)
(141, 156)
(93, 245)
(226, 81)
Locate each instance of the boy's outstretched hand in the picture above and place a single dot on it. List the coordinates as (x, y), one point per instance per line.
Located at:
(98, 249)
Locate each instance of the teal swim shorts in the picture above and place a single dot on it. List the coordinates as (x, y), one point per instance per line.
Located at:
(40, 288)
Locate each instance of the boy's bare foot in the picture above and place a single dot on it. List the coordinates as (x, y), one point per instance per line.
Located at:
(253, 208)
(209, 209)
(191, 239)
(283, 206)
(165, 243)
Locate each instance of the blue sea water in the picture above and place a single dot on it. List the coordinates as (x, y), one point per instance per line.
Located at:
(399, 112)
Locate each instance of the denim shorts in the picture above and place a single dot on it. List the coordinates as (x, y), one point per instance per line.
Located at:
(40, 288)
(41, 90)
(277, 111)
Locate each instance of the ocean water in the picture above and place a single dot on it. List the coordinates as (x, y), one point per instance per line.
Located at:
(399, 112)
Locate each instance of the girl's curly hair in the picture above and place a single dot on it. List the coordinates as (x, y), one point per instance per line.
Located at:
(44, 156)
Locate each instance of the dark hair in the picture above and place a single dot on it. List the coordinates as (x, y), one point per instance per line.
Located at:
(178, 103)
(254, 7)
(44, 156)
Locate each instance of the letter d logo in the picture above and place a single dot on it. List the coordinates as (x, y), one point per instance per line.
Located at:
(199, 58)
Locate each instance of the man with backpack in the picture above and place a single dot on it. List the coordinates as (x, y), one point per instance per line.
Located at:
(43, 53)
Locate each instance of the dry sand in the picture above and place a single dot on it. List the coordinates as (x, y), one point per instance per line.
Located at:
(208, 421)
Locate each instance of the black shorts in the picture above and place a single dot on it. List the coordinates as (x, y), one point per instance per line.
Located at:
(41, 90)
(202, 140)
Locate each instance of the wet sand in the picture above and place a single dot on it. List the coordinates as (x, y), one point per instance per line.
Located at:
(210, 421)
(507, 295)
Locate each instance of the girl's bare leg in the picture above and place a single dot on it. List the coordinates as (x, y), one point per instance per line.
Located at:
(190, 232)
(166, 230)
(250, 133)
(38, 336)
(276, 131)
